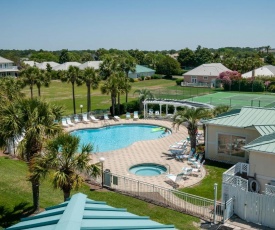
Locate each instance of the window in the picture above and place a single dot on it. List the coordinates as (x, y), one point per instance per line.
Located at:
(193, 79)
(231, 145)
(205, 78)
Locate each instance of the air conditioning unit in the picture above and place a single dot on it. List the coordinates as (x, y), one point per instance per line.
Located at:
(253, 185)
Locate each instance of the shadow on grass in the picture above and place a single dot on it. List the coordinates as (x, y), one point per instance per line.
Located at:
(218, 164)
(9, 217)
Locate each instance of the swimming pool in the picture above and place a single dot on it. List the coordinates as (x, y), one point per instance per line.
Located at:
(118, 136)
(148, 169)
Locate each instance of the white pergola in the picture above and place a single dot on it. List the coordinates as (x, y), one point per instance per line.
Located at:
(175, 103)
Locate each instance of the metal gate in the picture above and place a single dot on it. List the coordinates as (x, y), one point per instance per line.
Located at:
(228, 209)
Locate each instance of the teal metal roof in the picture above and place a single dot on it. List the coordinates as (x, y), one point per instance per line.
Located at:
(265, 129)
(265, 144)
(143, 69)
(83, 213)
(248, 116)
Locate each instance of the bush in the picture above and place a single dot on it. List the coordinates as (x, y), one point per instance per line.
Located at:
(271, 88)
(168, 77)
(131, 106)
(147, 78)
(156, 76)
(136, 79)
(179, 81)
(132, 80)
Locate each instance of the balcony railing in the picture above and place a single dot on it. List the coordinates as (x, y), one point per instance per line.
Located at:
(270, 190)
(8, 67)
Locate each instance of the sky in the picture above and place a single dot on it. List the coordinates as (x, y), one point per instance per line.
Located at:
(136, 24)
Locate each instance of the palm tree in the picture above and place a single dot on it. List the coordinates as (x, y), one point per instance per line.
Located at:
(143, 94)
(190, 118)
(127, 64)
(91, 78)
(44, 78)
(32, 120)
(73, 76)
(111, 86)
(63, 158)
(29, 77)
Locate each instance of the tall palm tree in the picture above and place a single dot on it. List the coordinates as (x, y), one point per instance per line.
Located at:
(29, 77)
(32, 120)
(190, 118)
(111, 86)
(91, 78)
(73, 76)
(66, 163)
(143, 94)
(127, 64)
(44, 78)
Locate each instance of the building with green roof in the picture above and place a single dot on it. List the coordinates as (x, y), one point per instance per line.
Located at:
(141, 71)
(83, 213)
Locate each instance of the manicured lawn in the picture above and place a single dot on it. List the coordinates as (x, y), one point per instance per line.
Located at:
(61, 93)
(206, 186)
(15, 189)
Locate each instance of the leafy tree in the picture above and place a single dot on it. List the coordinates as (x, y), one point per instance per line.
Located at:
(168, 66)
(67, 164)
(270, 59)
(142, 95)
(186, 58)
(86, 57)
(34, 121)
(73, 76)
(64, 56)
(91, 78)
(29, 77)
(203, 56)
(43, 56)
(43, 78)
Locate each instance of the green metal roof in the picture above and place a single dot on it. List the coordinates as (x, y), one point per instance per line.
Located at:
(83, 213)
(265, 144)
(248, 116)
(143, 69)
(265, 129)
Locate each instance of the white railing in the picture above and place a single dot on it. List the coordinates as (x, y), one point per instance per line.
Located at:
(238, 168)
(270, 190)
(199, 206)
(9, 67)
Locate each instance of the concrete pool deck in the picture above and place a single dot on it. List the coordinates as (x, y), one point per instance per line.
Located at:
(151, 151)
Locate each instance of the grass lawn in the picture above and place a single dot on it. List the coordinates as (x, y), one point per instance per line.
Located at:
(15, 189)
(61, 93)
(206, 186)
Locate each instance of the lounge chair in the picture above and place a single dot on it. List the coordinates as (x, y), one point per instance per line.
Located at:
(69, 122)
(135, 115)
(157, 115)
(194, 158)
(93, 119)
(189, 156)
(116, 118)
(186, 172)
(106, 117)
(128, 116)
(76, 120)
(150, 113)
(173, 179)
(178, 145)
(197, 170)
(85, 118)
(64, 123)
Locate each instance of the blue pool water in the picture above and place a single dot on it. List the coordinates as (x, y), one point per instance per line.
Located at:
(148, 169)
(118, 136)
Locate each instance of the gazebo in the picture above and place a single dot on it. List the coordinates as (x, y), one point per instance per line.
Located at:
(175, 103)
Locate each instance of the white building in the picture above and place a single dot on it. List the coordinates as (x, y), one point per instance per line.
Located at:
(267, 71)
(93, 64)
(43, 65)
(7, 68)
(31, 63)
(66, 65)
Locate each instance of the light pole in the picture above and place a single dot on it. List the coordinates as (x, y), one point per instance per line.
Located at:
(101, 160)
(81, 106)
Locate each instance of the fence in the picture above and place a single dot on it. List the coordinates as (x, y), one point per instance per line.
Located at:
(198, 206)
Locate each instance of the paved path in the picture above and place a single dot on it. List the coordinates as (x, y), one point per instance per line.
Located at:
(119, 161)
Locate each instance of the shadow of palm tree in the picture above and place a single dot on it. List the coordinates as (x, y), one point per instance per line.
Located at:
(9, 217)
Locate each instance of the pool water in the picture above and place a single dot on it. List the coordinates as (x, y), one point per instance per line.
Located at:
(118, 136)
(148, 169)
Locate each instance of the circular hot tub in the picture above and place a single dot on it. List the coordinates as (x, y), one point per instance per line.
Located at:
(148, 169)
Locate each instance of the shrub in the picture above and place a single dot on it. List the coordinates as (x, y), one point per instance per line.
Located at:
(271, 88)
(131, 106)
(179, 81)
(156, 76)
(136, 79)
(132, 80)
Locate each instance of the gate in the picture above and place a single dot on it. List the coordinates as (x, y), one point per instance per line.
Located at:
(228, 209)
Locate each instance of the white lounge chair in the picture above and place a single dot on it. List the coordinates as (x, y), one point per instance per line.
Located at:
(157, 114)
(116, 118)
(128, 116)
(85, 118)
(69, 122)
(64, 123)
(93, 119)
(150, 113)
(186, 172)
(106, 117)
(135, 115)
(173, 179)
(76, 120)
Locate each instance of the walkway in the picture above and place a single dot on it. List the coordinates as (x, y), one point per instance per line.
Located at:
(119, 161)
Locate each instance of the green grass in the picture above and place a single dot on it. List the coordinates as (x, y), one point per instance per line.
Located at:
(206, 186)
(15, 189)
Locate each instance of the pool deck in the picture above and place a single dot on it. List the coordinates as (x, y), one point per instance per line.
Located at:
(151, 151)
